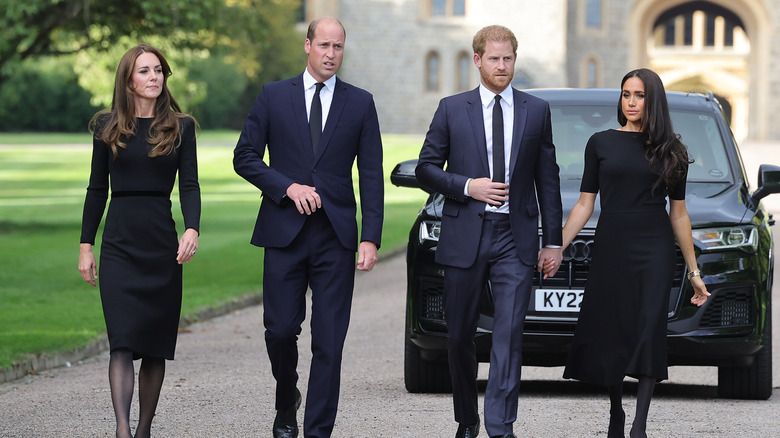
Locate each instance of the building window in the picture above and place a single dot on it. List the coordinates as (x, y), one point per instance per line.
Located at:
(432, 72)
(447, 8)
(464, 69)
(522, 81)
(698, 24)
(592, 74)
(593, 13)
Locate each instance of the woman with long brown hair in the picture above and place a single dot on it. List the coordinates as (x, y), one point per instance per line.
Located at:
(140, 145)
(621, 329)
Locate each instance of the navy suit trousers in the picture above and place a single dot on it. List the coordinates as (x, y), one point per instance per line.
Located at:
(315, 259)
(510, 279)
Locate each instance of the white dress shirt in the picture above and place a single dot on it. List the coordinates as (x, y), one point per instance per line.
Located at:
(326, 94)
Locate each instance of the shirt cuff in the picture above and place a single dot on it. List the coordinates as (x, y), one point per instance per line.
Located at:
(552, 246)
(466, 188)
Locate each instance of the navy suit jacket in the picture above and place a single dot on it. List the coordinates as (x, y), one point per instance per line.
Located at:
(278, 121)
(457, 137)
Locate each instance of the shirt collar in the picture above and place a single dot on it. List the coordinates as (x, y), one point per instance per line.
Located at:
(487, 96)
(309, 81)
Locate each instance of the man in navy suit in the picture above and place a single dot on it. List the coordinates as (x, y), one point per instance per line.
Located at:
(500, 175)
(315, 126)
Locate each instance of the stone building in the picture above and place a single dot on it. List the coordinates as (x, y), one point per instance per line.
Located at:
(411, 53)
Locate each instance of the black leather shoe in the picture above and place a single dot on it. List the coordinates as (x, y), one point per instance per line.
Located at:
(508, 435)
(467, 431)
(286, 421)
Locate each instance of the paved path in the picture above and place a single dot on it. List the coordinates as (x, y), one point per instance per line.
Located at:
(220, 384)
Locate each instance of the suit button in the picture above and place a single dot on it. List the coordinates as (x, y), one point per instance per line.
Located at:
(314, 171)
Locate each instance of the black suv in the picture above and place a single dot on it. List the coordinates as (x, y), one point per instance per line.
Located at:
(732, 237)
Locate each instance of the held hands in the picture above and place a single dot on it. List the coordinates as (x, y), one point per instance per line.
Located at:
(700, 293)
(187, 246)
(305, 198)
(549, 260)
(485, 190)
(366, 256)
(87, 264)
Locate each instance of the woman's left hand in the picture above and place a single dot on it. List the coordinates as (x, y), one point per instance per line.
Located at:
(188, 245)
(700, 293)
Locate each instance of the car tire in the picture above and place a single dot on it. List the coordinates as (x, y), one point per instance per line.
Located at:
(753, 382)
(420, 375)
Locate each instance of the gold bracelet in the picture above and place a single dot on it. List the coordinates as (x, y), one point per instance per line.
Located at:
(694, 273)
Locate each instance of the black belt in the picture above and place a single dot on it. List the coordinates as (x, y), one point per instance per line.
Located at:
(493, 216)
(128, 193)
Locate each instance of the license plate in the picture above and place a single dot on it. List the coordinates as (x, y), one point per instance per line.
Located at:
(552, 300)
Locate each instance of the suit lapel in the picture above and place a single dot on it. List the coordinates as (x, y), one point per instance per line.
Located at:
(298, 97)
(337, 105)
(521, 111)
(474, 108)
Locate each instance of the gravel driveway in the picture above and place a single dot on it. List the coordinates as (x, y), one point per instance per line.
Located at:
(220, 384)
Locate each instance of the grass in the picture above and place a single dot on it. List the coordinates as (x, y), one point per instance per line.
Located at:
(47, 307)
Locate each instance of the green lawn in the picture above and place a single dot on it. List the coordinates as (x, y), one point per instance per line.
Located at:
(47, 307)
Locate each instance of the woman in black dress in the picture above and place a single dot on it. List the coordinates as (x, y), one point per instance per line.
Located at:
(622, 324)
(142, 142)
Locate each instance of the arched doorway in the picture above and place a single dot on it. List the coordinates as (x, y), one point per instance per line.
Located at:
(708, 45)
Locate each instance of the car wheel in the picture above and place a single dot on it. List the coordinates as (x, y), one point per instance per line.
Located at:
(753, 382)
(422, 375)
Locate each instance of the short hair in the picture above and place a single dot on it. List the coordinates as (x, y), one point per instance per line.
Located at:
(492, 33)
(316, 21)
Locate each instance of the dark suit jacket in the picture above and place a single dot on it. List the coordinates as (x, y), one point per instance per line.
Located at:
(457, 137)
(279, 121)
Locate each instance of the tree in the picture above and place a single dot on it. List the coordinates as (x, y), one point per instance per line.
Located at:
(256, 38)
(32, 28)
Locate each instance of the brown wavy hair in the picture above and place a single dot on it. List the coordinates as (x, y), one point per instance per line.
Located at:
(115, 125)
(492, 33)
(663, 149)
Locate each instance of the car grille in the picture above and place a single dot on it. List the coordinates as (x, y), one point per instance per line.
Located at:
(730, 308)
(431, 298)
(573, 273)
(574, 269)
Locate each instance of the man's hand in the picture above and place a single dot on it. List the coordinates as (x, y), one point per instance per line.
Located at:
(305, 198)
(549, 261)
(485, 190)
(366, 256)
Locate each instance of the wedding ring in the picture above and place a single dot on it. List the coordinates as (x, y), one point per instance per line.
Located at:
(192, 252)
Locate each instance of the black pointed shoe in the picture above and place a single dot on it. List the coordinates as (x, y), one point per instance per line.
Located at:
(286, 421)
(467, 431)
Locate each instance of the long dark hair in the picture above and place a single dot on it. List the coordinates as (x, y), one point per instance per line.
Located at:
(663, 148)
(114, 125)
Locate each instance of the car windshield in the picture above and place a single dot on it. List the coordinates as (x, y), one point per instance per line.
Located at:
(574, 124)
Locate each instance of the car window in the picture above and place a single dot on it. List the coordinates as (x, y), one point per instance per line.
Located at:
(572, 127)
(574, 124)
(700, 133)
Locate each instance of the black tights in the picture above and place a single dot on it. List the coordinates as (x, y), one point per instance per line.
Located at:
(121, 378)
(617, 417)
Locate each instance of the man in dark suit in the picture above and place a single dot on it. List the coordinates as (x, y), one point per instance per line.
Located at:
(500, 172)
(314, 126)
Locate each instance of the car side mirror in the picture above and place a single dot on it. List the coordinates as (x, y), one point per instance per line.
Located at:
(403, 175)
(768, 181)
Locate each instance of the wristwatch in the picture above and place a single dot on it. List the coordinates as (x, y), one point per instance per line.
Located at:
(694, 273)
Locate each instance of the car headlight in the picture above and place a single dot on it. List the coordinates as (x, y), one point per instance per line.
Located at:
(745, 238)
(430, 230)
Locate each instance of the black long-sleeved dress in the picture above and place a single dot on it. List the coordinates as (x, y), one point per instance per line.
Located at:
(139, 277)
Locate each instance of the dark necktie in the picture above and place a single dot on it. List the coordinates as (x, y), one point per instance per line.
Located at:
(315, 117)
(498, 141)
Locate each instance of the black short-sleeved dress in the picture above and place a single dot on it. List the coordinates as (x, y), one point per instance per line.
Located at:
(139, 277)
(622, 323)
